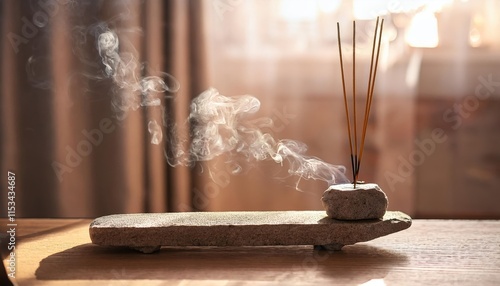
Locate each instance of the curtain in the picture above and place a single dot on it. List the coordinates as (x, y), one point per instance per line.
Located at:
(72, 154)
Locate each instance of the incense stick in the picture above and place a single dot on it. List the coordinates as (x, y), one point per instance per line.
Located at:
(371, 85)
(345, 101)
(354, 100)
(355, 160)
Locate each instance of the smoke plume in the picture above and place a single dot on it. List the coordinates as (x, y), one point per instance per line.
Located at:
(134, 90)
(220, 125)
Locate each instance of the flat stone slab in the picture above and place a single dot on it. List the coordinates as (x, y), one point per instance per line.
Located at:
(147, 232)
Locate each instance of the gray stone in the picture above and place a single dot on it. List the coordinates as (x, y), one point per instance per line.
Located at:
(344, 202)
(149, 231)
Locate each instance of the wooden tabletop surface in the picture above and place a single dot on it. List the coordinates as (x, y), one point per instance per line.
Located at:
(430, 252)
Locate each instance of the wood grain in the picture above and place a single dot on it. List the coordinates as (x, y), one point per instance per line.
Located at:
(438, 252)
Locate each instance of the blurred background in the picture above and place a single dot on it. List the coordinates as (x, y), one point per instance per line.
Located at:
(432, 140)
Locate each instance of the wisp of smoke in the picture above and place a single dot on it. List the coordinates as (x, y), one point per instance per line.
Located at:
(308, 167)
(218, 127)
(219, 124)
(155, 131)
(134, 91)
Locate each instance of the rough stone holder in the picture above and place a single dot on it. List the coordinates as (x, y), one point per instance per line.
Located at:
(147, 232)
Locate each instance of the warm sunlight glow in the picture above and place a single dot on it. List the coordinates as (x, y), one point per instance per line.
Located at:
(328, 6)
(475, 35)
(298, 10)
(368, 9)
(423, 30)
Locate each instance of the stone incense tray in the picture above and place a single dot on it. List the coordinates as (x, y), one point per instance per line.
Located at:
(147, 232)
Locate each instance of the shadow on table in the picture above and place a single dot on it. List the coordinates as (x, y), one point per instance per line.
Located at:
(356, 264)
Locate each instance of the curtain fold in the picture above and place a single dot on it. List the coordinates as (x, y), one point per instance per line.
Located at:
(72, 154)
(187, 62)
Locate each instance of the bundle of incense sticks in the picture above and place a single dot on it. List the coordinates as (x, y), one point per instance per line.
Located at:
(357, 154)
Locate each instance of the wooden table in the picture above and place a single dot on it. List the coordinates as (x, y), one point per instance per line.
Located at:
(430, 252)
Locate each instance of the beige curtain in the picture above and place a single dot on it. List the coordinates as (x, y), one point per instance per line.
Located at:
(72, 155)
